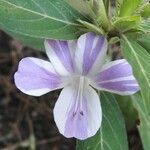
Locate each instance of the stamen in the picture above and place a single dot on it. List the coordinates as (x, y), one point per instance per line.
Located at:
(78, 105)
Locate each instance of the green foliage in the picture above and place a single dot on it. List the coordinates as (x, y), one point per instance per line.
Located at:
(129, 112)
(144, 127)
(118, 4)
(89, 27)
(39, 19)
(128, 7)
(36, 43)
(126, 23)
(107, 5)
(112, 134)
(139, 58)
(114, 40)
(79, 5)
(146, 11)
(145, 42)
(102, 18)
(145, 26)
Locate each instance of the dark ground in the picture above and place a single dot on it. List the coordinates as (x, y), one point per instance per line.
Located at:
(26, 123)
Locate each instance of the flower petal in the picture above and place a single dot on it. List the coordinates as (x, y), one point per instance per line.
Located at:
(116, 77)
(78, 116)
(36, 77)
(90, 53)
(61, 55)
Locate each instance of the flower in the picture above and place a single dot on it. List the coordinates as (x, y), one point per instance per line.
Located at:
(76, 66)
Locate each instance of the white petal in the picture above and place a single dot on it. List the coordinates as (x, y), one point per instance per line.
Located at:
(116, 77)
(61, 55)
(37, 77)
(94, 111)
(79, 120)
(90, 53)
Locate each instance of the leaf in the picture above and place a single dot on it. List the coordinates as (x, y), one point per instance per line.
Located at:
(39, 19)
(79, 5)
(146, 11)
(107, 3)
(145, 42)
(89, 27)
(144, 127)
(128, 8)
(145, 26)
(129, 112)
(36, 43)
(127, 23)
(139, 59)
(118, 4)
(112, 133)
(102, 16)
(114, 40)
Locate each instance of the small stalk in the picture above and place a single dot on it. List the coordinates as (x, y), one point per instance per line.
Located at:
(92, 27)
(102, 18)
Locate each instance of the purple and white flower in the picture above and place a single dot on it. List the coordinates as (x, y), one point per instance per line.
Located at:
(77, 67)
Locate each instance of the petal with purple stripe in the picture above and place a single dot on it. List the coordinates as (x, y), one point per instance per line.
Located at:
(36, 77)
(116, 77)
(61, 55)
(90, 53)
(77, 112)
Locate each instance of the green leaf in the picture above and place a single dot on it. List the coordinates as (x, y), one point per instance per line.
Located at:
(139, 59)
(118, 4)
(145, 26)
(79, 5)
(128, 7)
(39, 19)
(146, 11)
(144, 127)
(107, 5)
(89, 27)
(102, 16)
(129, 112)
(112, 134)
(145, 42)
(114, 40)
(35, 43)
(127, 23)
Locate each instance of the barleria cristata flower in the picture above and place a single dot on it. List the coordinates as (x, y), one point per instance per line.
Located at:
(77, 67)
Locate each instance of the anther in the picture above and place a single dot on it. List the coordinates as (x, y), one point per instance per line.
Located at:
(81, 113)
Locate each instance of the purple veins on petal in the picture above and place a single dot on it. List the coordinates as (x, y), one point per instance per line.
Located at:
(78, 117)
(90, 53)
(122, 86)
(93, 46)
(76, 123)
(63, 53)
(118, 70)
(117, 77)
(36, 74)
